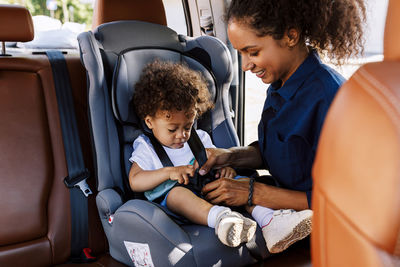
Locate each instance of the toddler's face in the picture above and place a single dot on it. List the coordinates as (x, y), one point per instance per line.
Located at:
(171, 128)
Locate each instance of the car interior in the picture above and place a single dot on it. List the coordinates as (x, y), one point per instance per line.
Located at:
(48, 221)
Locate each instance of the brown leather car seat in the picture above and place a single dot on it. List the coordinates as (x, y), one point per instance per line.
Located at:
(113, 10)
(356, 198)
(35, 223)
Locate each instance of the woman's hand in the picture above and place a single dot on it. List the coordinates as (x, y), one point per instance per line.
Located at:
(181, 173)
(225, 172)
(246, 157)
(227, 192)
(217, 158)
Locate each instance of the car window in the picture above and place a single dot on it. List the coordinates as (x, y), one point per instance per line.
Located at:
(57, 23)
(175, 16)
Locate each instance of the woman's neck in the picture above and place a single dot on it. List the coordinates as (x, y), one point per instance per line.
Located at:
(300, 53)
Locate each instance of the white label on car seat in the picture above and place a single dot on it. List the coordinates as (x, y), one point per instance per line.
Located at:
(139, 253)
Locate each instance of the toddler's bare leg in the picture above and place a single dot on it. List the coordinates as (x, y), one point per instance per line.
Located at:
(184, 202)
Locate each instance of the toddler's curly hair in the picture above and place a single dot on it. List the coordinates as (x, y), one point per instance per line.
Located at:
(333, 27)
(170, 86)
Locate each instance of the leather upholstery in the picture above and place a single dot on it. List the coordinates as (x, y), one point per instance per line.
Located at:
(35, 223)
(15, 24)
(392, 37)
(113, 10)
(34, 226)
(356, 197)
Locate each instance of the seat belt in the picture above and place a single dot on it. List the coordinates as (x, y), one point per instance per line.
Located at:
(197, 182)
(197, 148)
(160, 151)
(77, 173)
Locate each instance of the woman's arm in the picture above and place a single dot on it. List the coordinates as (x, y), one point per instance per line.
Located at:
(236, 192)
(278, 198)
(248, 157)
(141, 180)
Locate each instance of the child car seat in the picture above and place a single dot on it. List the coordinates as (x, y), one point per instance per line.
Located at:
(139, 231)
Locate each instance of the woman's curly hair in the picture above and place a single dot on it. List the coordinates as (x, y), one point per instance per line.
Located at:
(170, 86)
(333, 27)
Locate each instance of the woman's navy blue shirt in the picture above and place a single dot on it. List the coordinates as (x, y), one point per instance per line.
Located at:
(291, 122)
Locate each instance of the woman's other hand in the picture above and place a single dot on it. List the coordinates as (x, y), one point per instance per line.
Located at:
(227, 191)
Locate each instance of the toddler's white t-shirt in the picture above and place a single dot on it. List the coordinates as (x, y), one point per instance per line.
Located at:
(145, 156)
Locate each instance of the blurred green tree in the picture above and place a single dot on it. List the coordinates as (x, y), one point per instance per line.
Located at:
(67, 10)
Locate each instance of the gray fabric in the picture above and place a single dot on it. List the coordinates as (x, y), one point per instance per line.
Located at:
(221, 63)
(205, 242)
(120, 35)
(108, 201)
(104, 132)
(140, 221)
(143, 222)
(113, 128)
(223, 134)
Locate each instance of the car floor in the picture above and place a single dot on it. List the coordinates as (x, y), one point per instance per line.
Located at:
(298, 255)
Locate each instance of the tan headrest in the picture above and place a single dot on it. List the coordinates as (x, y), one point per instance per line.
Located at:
(143, 10)
(391, 48)
(15, 24)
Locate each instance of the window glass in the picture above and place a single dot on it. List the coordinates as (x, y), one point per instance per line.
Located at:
(373, 51)
(77, 11)
(57, 23)
(175, 16)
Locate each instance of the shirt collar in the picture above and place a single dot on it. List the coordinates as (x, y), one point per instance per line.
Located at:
(298, 77)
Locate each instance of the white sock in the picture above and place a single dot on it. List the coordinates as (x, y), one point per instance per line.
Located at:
(213, 214)
(262, 215)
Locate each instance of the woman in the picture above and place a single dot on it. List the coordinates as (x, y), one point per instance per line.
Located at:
(280, 42)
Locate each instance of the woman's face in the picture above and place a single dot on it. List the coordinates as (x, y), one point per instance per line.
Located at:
(269, 59)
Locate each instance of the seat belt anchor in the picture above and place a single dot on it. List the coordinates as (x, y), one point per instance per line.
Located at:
(80, 182)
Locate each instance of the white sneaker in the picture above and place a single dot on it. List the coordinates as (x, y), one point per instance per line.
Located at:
(232, 228)
(285, 228)
(249, 228)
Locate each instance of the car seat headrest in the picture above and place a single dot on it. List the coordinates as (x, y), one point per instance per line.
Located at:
(392, 39)
(113, 10)
(129, 68)
(16, 24)
(121, 35)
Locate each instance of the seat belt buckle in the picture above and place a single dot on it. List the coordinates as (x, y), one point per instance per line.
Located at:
(84, 187)
(80, 182)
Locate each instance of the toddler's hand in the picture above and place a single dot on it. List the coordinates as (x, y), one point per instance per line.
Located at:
(226, 172)
(181, 173)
